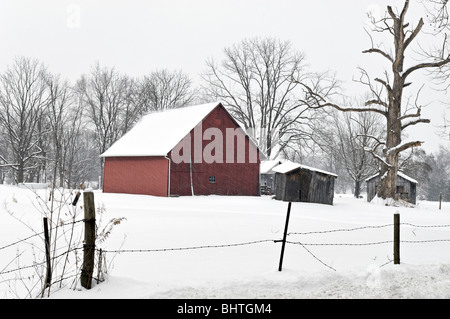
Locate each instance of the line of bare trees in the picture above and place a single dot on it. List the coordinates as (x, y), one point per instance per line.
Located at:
(54, 131)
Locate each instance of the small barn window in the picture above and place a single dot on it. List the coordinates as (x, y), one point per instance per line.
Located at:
(399, 189)
(212, 179)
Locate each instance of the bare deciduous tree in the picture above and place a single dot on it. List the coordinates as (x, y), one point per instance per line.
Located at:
(106, 96)
(23, 101)
(164, 89)
(255, 83)
(65, 117)
(351, 135)
(3, 154)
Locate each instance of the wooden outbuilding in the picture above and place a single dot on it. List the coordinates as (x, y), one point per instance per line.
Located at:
(300, 183)
(196, 150)
(267, 176)
(406, 187)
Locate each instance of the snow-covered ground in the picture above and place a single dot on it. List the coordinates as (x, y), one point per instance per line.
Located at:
(353, 263)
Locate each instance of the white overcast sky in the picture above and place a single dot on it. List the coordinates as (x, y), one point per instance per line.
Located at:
(137, 37)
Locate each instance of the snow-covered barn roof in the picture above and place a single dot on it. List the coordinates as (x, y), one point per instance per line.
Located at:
(157, 133)
(289, 166)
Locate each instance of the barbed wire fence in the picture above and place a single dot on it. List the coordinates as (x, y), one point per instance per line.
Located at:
(304, 245)
(75, 273)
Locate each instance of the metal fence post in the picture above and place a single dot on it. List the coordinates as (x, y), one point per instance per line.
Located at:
(283, 244)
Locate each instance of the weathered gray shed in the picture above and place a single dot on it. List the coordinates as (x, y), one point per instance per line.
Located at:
(406, 187)
(267, 176)
(299, 183)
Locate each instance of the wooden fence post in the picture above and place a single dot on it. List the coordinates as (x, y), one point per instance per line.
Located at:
(440, 200)
(89, 240)
(396, 239)
(283, 244)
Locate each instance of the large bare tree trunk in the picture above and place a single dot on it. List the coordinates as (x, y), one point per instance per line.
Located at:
(388, 173)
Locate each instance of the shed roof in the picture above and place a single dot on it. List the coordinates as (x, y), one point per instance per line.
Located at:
(266, 167)
(403, 175)
(289, 166)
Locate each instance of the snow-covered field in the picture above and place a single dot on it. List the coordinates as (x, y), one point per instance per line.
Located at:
(353, 263)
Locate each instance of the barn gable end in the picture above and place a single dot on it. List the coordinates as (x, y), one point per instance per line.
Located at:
(220, 177)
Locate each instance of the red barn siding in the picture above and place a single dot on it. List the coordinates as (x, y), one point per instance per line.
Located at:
(136, 175)
(231, 178)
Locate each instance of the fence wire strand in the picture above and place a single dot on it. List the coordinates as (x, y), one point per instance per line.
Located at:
(339, 230)
(35, 264)
(425, 241)
(340, 244)
(187, 248)
(365, 227)
(39, 234)
(425, 226)
(323, 263)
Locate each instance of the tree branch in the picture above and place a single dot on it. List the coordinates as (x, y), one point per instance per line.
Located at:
(426, 65)
(376, 101)
(319, 102)
(385, 84)
(417, 114)
(374, 50)
(413, 34)
(402, 147)
(415, 122)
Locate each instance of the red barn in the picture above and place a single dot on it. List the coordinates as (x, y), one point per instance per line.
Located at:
(196, 150)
